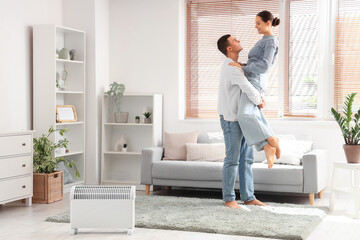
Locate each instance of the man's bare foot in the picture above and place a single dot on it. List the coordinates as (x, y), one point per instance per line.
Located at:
(232, 204)
(255, 202)
(274, 142)
(270, 152)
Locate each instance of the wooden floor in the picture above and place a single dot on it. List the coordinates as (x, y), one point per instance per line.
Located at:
(20, 222)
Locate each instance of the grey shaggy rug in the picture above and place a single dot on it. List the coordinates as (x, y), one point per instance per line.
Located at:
(281, 221)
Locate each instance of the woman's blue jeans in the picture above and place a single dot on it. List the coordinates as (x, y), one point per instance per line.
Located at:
(239, 158)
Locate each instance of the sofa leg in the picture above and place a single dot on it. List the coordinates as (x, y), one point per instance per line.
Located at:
(311, 197)
(321, 194)
(147, 189)
(168, 188)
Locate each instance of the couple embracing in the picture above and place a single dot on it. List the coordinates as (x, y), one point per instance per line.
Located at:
(244, 125)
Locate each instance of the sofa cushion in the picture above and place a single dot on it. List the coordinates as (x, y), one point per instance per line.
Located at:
(209, 152)
(292, 151)
(187, 170)
(174, 144)
(278, 174)
(210, 137)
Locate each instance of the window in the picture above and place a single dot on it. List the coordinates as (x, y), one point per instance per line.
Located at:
(207, 20)
(347, 52)
(301, 58)
(293, 80)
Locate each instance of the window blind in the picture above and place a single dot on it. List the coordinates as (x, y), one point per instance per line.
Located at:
(207, 21)
(301, 58)
(347, 52)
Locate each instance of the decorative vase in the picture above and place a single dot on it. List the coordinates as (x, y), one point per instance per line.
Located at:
(147, 120)
(124, 149)
(352, 153)
(60, 151)
(64, 54)
(121, 117)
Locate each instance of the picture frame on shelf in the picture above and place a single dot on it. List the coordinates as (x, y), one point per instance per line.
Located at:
(65, 113)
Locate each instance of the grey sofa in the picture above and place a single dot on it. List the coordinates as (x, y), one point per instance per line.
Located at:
(309, 178)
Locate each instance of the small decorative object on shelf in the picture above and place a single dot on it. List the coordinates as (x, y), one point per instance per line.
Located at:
(137, 119)
(147, 117)
(65, 113)
(60, 82)
(124, 148)
(64, 54)
(120, 143)
(116, 92)
(72, 54)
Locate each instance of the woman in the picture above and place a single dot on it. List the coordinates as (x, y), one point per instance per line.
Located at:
(251, 119)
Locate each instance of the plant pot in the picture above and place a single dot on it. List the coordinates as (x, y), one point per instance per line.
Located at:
(147, 120)
(121, 117)
(48, 187)
(137, 120)
(124, 149)
(352, 153)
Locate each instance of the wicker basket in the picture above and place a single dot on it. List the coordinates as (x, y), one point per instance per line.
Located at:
(48, 187)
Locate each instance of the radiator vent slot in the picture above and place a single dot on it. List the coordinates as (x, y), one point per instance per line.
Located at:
(103, 192)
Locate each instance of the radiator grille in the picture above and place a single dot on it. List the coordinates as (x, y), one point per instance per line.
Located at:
(103, 192)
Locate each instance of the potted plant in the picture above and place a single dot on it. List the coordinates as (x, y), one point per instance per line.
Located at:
(48, 183)
(350, 128)
(137, 119)
(124, 148)
(147, 117)
(116, 92)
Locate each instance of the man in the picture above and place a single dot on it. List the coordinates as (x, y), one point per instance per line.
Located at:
(239, 156)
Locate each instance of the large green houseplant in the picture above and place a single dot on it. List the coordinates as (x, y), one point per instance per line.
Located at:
(350, 127)
(44, 159)
(115, 93)
(48, 182)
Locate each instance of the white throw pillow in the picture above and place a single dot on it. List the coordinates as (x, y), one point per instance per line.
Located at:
(292, 151)
(174, 144)
(210, 152)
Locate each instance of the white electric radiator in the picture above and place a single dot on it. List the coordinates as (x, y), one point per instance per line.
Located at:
(102, 207)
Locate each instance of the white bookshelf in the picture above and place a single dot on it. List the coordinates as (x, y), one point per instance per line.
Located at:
(124, 168)
(46, 40)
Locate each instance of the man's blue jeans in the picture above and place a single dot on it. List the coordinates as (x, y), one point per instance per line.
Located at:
(239, 158)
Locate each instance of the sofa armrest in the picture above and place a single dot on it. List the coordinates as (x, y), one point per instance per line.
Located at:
(315, 165)
(148, 156)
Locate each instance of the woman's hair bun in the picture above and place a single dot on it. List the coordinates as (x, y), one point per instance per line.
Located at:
(275, 22)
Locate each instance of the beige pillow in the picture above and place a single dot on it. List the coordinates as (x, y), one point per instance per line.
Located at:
(213, 152)
(174, 144)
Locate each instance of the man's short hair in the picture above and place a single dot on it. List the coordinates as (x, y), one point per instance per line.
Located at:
(223, 43)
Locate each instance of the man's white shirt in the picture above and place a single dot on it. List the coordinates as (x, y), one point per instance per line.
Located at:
(232, 84)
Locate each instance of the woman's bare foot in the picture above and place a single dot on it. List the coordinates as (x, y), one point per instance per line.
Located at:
(232, 204)
(255, 202)
(274, 142)
(269, 152)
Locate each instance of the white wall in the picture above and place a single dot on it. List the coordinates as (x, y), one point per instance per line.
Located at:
(16, 21)
(145, 38)
(91, 16)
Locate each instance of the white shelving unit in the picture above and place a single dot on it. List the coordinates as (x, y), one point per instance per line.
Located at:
(123, 168)
(47, 39)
